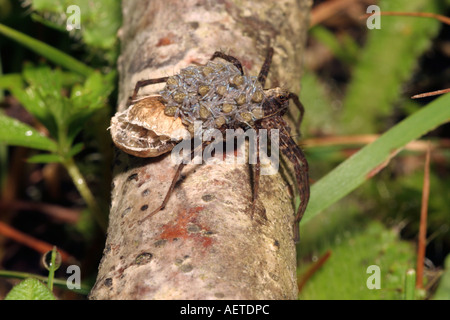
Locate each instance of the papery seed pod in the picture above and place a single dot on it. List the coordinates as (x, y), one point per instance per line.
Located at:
(143, 130)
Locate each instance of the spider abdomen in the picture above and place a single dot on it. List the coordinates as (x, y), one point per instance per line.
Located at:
(215, 94)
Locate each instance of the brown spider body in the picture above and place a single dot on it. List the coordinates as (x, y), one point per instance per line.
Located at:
(275, 106)
(222, 97)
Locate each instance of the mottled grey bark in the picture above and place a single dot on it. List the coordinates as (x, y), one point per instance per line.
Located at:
(204, 245)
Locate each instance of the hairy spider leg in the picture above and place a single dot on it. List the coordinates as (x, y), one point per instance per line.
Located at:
(231, 59)
(256, 176)
(174, 181)
(144, 83)
(262, 77)
(299, 106)
(295, 154)
(168, 194)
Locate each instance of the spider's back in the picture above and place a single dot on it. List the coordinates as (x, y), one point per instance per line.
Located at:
(215, 94)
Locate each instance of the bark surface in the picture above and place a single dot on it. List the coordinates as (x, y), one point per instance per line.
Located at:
(204, 244)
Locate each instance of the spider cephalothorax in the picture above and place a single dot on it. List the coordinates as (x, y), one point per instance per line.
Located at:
(221, 97)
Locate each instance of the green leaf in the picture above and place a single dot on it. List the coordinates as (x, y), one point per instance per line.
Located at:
(44, 85)
(54, 55)
(99, 22)
(45, 99)
(10, 81)
(30, 289)
(45, 158)
(14, 81)
(16, 133)
(365, 163)
(62, 283)
(77, 148)
(87, 99)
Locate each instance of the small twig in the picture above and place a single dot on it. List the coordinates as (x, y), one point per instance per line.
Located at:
(31, 242)
(61, 213)
(423, 222)
(328, 9)
(312, 269)
(83, 188)
(430, 94)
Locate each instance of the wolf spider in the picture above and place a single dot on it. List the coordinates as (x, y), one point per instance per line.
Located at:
(274, 105)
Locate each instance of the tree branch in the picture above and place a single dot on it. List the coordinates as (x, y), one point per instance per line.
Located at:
(204, 244)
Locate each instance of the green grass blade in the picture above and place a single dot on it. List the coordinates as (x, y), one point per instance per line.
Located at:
(16, 133)
(410, 284)
(358, 168)
(52, 54)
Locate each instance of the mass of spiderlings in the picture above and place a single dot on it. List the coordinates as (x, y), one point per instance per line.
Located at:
(216, 94)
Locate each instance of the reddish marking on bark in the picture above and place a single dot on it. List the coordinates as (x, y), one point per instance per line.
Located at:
(165, 41)
(178, 228)
(247, 64)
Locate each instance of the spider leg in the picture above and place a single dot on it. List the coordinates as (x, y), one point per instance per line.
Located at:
(168, 194)
(144, 83)
(174, 182)
(256, 176)
(265, 68)
(295, 154)
(231, 59)
(300, 107)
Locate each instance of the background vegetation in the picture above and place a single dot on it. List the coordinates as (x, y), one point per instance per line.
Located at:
(57, 94)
